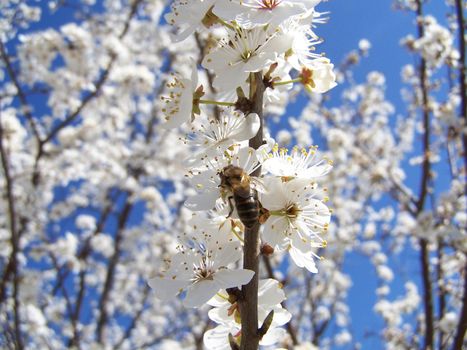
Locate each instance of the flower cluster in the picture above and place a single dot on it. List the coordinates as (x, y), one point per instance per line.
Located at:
(267, 43)
(226, 313)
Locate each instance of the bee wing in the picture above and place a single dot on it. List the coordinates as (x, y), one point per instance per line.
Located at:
(257, 184)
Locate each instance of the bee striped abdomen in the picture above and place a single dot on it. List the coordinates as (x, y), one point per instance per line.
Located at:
(247, 209)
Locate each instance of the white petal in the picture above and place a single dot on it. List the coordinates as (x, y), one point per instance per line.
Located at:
(202, 201)
(249, 128)
(233, 278)
(219, 300)
(167, 288)
(273, 336)
(281, 316)
(199, 293)
(303, 260)
(317, 170)
(274, 231)
(227, 254)
(274, 197)
(220, 314)
(217, 338)
(270, 293)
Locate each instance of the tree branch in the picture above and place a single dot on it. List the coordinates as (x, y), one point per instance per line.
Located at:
(97, 89)
(135, 319)
(110, 275)
(462, 326)
(249, 303)
(21, 94)
(424, 254)
(14, 241)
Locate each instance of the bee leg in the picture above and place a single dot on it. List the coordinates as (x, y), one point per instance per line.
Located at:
(231, 206)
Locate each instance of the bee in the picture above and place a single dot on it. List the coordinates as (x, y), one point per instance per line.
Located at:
(237, 184)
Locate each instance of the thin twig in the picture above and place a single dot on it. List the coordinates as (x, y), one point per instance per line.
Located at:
(20, 92)
(88, 98)
(441, 294)
(135, 319)
(110, 275)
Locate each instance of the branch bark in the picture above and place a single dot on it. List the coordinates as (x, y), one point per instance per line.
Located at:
(110, 275)
(249, 303)
(424, 253)
(462, 326)
(20, 92)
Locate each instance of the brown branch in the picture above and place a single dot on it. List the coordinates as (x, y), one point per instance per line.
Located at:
(83, 255)
(86, 249)
(68, 303)
(21, 94)
(424, 253)
(442, 294)
(97, 89)
(249, 302)
(110, 275)
(135, 319)
(462, 72)
(14, 241)
(462, 326)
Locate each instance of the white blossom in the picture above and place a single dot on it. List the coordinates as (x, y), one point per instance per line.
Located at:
(300, 163)
(201, 273)
(244, 52)
(252, 13)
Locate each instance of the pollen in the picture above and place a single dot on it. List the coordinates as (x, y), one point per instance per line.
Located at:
(269, 4)
(292, 211)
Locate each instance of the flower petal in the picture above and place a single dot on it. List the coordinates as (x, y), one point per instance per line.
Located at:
(217, 338)
(199, 293)
(202, 201)
(167, 288)
(233, 278)
(274, 231)
(270, 293)
(227, 254)
(303, 259)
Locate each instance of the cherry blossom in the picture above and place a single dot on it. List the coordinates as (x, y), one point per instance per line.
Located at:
(202, 273)
(252, 13)
(226, 314)
(297, 214)
(245, 51)
(188, 16)
(178, 105)
(300, 163)
(216, 136)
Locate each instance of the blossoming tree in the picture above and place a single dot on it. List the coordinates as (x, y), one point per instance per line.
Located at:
(149, 200)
